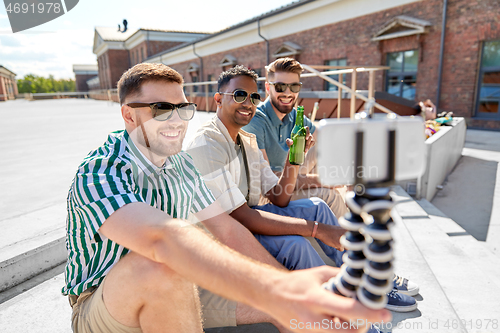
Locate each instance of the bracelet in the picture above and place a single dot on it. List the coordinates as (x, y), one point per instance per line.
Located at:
(315, 229)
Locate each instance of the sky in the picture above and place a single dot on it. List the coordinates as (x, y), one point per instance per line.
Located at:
(52, 48)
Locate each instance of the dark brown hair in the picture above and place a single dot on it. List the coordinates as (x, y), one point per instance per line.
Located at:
(288, 65)
(132, 80)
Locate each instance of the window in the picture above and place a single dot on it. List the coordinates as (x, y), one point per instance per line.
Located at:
(195, 79)
(142, 54)
(337, 62)
(489, 81)
(402, 75)
(260, 84)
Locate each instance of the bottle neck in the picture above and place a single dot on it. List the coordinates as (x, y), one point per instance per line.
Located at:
(300, 118)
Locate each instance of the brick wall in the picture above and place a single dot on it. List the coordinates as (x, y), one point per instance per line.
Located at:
(112, 64)
(146, 49)
(137, 54)
(102, 65)
(470, 23)
(3, 90)
(8, 88)
(156, 47)
(252, 56)
(120, 59)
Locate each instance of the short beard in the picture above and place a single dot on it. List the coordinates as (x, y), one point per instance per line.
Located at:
(154, 147)
(281, 108)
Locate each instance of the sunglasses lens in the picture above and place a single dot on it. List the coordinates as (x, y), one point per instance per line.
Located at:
(279, 87)
(255, 99)
(162, 111)
(240, 96)
(186, 112)
(295, 87)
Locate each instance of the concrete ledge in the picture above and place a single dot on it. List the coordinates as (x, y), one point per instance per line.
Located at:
(46, 252)
(31, 243)
(444, 149)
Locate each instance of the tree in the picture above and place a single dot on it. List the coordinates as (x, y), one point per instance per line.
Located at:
(37, 84)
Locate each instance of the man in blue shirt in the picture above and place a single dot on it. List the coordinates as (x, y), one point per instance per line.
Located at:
(273, 123)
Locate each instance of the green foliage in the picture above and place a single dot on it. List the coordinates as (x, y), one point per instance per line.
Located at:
(37, 84)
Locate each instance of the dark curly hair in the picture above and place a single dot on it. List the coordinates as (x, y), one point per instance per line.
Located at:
(238, 70)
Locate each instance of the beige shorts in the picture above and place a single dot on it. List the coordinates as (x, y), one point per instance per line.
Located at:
(216, 310)
(90, 313)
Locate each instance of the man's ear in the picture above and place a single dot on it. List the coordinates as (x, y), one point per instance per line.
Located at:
(128, 115)
(267, 87)
(218, 100)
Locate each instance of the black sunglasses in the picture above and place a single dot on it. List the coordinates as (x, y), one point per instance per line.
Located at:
(281, 87)
(164, 110)
(240, 96)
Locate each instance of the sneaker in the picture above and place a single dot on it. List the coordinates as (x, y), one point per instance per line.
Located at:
(404, 286)
(399, 302)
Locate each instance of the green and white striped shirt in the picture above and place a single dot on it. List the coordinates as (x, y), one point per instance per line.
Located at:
(110, 177)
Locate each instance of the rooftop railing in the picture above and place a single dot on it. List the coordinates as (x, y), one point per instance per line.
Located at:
(314, 72)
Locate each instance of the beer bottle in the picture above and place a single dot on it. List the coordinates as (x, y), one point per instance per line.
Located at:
(296, 154)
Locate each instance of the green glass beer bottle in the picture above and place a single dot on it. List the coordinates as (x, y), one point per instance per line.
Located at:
(296, 155)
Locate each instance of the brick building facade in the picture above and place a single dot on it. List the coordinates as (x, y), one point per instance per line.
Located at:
(118, 50)
(8, 84)
(403, 34)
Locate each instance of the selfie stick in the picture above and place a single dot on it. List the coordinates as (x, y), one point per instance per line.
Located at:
(367, 271)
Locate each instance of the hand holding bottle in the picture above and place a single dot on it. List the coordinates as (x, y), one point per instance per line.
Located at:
(297, 149)
(310, 141)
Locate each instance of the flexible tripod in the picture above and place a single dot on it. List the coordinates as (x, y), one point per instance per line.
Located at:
(367, 271)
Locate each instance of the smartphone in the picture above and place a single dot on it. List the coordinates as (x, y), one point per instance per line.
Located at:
(336, 149)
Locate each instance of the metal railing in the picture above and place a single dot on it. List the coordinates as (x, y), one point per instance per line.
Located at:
(314, 72)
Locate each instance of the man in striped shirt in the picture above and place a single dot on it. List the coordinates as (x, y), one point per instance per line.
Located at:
(133, 260)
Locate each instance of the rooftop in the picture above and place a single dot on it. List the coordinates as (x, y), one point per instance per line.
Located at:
(456, 261)
(6, 70)
(109, 34)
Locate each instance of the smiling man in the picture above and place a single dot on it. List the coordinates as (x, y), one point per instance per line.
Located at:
(273, 123)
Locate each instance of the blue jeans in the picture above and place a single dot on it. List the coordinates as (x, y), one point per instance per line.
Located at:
(296, 252)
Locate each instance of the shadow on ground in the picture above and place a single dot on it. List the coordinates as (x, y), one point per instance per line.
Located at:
(456, 200)
(398, 321)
